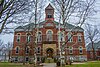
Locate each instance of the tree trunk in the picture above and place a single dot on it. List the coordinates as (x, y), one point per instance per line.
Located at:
(93, 50)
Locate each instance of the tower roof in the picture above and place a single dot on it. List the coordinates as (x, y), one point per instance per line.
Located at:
(49, 7)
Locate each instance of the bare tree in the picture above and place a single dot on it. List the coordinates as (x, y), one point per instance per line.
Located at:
(35, 18)
(8, 47)
(1, 44)
(92, 33)
(79, 10)
(10, 9)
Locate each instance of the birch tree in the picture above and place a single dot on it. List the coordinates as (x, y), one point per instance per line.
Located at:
(79, 10)
(35, 17)
(11, 11)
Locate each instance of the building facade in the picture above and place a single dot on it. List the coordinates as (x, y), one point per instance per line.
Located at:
(44, 40)
(96, 54)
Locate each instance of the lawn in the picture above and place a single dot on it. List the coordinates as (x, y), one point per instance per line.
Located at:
(6, 64)
(86, 64)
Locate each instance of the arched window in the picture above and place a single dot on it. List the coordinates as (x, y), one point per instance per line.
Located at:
(70, 50)
(27, 50)
(69, 37)
(61, 36)
(39, 37)
(18, 37)
(28, 38)
(17, 49)
(80, 50)
(79, 38)
(49, 35)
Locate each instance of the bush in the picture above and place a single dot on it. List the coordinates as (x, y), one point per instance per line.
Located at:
(43, 60)
(55, 60)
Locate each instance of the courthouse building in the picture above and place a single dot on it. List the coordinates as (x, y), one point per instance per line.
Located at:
(48, 39)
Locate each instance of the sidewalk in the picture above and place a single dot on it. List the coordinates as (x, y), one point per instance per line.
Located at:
(49, 65)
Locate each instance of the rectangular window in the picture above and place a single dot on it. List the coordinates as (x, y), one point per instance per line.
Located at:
(38, 50)
(16, 59)
(79, 39)
(18, 38)
(38, 59)
(81, 50)
(70, 39)
(28, 38)
(70, 50)
(27, 50)
(27, 59)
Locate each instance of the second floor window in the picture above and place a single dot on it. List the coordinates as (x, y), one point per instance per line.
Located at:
(69, 37)
(79, 38)
(49, 36)
(28, 38)
(18, 38)
(39, 37)
(27, 50)
(61, 37)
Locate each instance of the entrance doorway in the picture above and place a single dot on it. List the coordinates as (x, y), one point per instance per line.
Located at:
(49, 52)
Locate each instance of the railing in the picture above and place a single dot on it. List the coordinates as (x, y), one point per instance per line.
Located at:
(49, 39)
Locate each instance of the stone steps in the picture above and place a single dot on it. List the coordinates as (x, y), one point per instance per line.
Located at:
(49, 60)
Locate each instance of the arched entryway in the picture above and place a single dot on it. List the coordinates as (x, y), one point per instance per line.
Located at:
(49, 52)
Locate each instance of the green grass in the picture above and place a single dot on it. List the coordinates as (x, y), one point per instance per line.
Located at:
(87, 64)
(6, 64)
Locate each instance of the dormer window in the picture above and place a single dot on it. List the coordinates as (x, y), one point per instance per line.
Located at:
(49, 16)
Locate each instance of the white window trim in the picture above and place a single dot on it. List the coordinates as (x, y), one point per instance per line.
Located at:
(28, 36)
(70, 49)
(69, 33)
(18, 35)
(59, 38)
(18, 49)
(39, 37)
(47, 35)
(82, 50)
(28, 48)
(78, 36)
(39, 51)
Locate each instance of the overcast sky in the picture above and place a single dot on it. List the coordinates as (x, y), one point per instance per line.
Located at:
(94, 21)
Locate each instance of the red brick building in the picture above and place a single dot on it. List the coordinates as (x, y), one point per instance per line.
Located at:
(90, 54)
(48, 36)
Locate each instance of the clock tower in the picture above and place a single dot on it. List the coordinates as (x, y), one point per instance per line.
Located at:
(49, 13)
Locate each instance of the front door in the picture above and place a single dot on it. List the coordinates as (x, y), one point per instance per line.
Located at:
(49, 52)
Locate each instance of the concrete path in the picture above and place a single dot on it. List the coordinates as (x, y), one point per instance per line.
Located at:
(49, 65)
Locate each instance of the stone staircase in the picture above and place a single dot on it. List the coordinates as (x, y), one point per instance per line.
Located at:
(49, 60)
